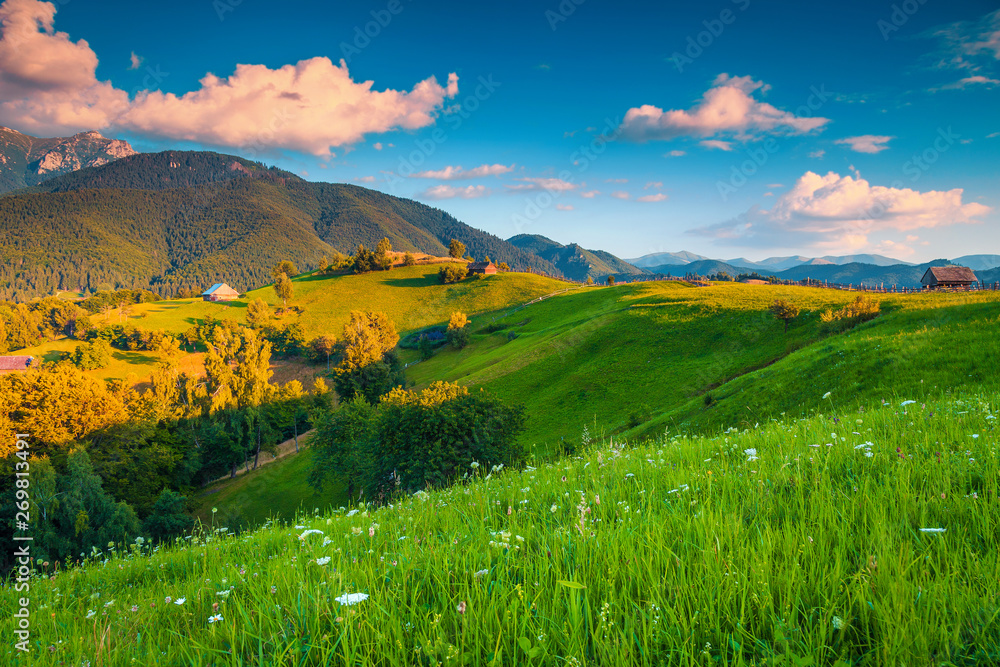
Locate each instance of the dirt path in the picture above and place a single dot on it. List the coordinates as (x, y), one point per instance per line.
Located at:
(284, 449)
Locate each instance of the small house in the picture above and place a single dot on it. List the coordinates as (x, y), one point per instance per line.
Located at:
(482, 268)
(220, 292)
(16, 364)
(938, 277)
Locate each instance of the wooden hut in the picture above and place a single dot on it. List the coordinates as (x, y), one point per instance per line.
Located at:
(220, 292)
(937, 277)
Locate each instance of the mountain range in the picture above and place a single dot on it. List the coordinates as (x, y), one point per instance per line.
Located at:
(183, 220)
(27, 160)
(87, 212)
(573, 261)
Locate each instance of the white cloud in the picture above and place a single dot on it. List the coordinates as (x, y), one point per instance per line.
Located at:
(620, 194)
(590, 194)
(817, 154)
(993, 135)
(728, 108)
(716, 144)
(550, 184)
(454, 192)
(450, 173)
(616, 180)
(564, 207)
(675, 154)
(365, 179)
(653, 198)
(653, 184)
(841, 213)
(866, 143)
(48, 85)
(310, 107)
(134, 61)
(377, 145)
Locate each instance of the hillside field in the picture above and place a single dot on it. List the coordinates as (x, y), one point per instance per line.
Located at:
(856, 537)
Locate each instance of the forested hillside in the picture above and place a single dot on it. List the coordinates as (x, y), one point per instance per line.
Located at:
(183, 220)
(574, 261)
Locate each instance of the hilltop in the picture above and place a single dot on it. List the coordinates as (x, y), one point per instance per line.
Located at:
(181, 220)
(575, 262)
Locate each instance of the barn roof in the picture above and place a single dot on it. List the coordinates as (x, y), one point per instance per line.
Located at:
(479, 266)
(15, 363)
(219, 288)
(951, 274)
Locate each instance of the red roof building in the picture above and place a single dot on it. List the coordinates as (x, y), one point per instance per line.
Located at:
(484, 268)
(16, 364)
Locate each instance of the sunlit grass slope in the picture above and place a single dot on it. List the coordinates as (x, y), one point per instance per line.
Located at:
(855, 538)
(644, 356)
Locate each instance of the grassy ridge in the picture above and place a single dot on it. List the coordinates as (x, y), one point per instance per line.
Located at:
(794, 541)
(642, 357)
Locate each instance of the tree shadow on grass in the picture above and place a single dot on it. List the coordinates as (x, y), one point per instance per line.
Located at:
(135, 357)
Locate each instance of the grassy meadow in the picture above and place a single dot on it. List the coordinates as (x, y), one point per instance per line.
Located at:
(863, 536)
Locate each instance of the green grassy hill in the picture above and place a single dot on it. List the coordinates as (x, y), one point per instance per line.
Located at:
(411, 296)
(854, 538)
(643, 357)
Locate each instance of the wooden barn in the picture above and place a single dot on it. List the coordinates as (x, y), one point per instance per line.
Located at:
(220, 292)
(938, 277)
(16, 364)
(483, 268)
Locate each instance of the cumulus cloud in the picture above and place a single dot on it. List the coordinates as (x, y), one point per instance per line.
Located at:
(549, 184)
(866, 143)
(453, 192)
(365, 179)
(620, 194)
(841, 212)
(134, 61)
(310, 107)
(48, 82)
(48, 85)
(450, 173)
(727, 108)
(675, 154)
(590, 194)
(564, 207)
(817, 154)
(653, 198)
(653, 184)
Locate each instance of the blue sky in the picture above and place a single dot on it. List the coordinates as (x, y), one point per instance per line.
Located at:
(782, 128)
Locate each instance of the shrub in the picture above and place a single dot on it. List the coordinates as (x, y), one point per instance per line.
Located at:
(412, 441)
(458, 330)
(452, 273)
(409, 259)
(862, 309)
(92, 355)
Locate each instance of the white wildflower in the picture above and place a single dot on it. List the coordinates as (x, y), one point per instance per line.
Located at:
(352, 598)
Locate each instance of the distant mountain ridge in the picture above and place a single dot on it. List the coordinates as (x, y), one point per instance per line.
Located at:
(187, 219)
(658, 262)
(26, 160)
(574, 261)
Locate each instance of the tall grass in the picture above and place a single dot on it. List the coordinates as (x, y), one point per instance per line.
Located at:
(797, 542)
